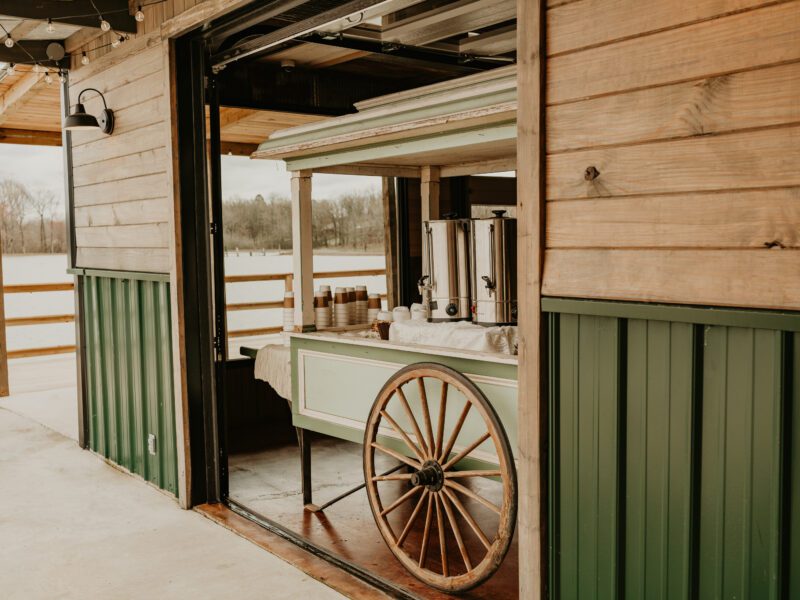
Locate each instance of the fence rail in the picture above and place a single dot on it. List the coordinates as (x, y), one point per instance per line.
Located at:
(36, 288)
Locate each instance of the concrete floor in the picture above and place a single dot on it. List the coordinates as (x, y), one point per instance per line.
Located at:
(73, 527)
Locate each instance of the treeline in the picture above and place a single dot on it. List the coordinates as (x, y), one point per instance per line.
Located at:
(30, 221)
(352, 221)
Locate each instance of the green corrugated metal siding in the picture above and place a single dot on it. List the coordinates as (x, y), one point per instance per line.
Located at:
(129, 375)
(697, 492)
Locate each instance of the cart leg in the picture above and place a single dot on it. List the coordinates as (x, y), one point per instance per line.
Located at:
(305, 468)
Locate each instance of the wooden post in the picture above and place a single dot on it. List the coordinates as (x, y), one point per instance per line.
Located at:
(430, 177)
(3, 348)
(532, 421)
(390, 240)
(302, 252)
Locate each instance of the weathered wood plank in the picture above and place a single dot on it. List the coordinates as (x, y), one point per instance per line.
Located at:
(588, 23)
(120, 144)
(135, 212)
(151, 235)
(765, 36)
(751, 278)
(750, 99)
(755, 159)
(145, 187)
(132, 165)
(145, 260)
(749, 219)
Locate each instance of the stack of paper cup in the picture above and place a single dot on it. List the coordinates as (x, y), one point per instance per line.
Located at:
(351, 303)
(373, 307)
(327, 290)
(361, 303)
(288, 311)
(322, 316)
(341, 307)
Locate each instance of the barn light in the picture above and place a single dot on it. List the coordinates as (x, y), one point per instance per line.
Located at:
(80, 119)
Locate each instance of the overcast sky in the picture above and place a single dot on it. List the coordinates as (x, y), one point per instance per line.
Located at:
(41, 167)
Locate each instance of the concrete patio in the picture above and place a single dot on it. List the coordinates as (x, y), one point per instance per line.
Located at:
(74, 527)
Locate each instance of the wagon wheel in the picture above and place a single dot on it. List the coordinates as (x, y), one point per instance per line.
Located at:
(433, 495)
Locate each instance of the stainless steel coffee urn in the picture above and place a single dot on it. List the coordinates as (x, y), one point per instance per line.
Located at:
(445, 283)
(494, 270)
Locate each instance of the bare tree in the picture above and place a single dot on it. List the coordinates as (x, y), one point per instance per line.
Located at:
(43, 202)
(14, 198)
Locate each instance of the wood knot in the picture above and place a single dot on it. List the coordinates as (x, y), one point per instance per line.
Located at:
(591, 173)
(774, 244)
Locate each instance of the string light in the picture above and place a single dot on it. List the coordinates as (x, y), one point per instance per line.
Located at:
(36, 68)
(50, 27)
(62, 77)
(116, 42)
(11, 69)
(104, 25)
(48, 79)
(139, 16)
(9, 42)
(84, 59)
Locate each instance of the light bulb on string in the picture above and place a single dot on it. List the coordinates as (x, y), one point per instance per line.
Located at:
(105, 25)
(117, 41)
(62, 78)
(48, 79)
(36, 68)
(50, 27)
(139, 16)
(11, 69)
(84, 59)
(9, 42)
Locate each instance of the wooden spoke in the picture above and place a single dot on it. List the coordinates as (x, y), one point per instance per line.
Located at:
(403, 435)
(438, 493)
(426, 415)
(413, 421)
(456, 532)
(468, 492)
(466, 451)
(467, 517)
(442, 540)
(456, 430)
(426, 532)
(412, 518)
(442, 414)
(396, 455)
(393, 477)
(402, 499)
(461, 474)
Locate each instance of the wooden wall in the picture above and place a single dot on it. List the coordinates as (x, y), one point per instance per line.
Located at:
(122, 194)
(690, 112)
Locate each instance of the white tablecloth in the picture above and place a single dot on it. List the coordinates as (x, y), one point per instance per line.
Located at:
(458, 334)
(274, 365)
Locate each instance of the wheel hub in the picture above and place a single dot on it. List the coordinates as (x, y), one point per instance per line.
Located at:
(430, 475)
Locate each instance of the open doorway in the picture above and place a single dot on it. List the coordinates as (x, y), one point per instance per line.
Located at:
(245, 434)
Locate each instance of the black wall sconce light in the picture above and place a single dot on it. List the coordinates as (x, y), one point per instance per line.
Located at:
(80, 119)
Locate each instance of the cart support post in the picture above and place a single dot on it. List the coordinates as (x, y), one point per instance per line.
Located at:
(305, 467)
(302, 252)
(530, 248)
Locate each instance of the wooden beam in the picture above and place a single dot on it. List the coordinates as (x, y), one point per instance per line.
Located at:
(431, 186)
(449, 20)
(23, 28)
(116, 12)
(237, 148)
(491, 43)
(82, 37)
(369, 170)
(17, 95)
(3, 347)
(302, 252)
(500, 165)
(22, 52)
(532, 421)
(29, 137)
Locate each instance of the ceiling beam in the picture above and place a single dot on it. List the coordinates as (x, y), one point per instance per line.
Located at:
(30, 51)
(449, 20)
(491, 43)
(23, 28)
(116, 12)
(30, 137)
(18, 94)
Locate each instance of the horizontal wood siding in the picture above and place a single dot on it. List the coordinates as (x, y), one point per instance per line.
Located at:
(122, 199)
(689, 112)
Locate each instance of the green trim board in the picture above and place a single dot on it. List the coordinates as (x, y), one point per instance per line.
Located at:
(129, 385)
(136, 275)
(763, 319)
(696, 493)
(495, 132)
(334, 385)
